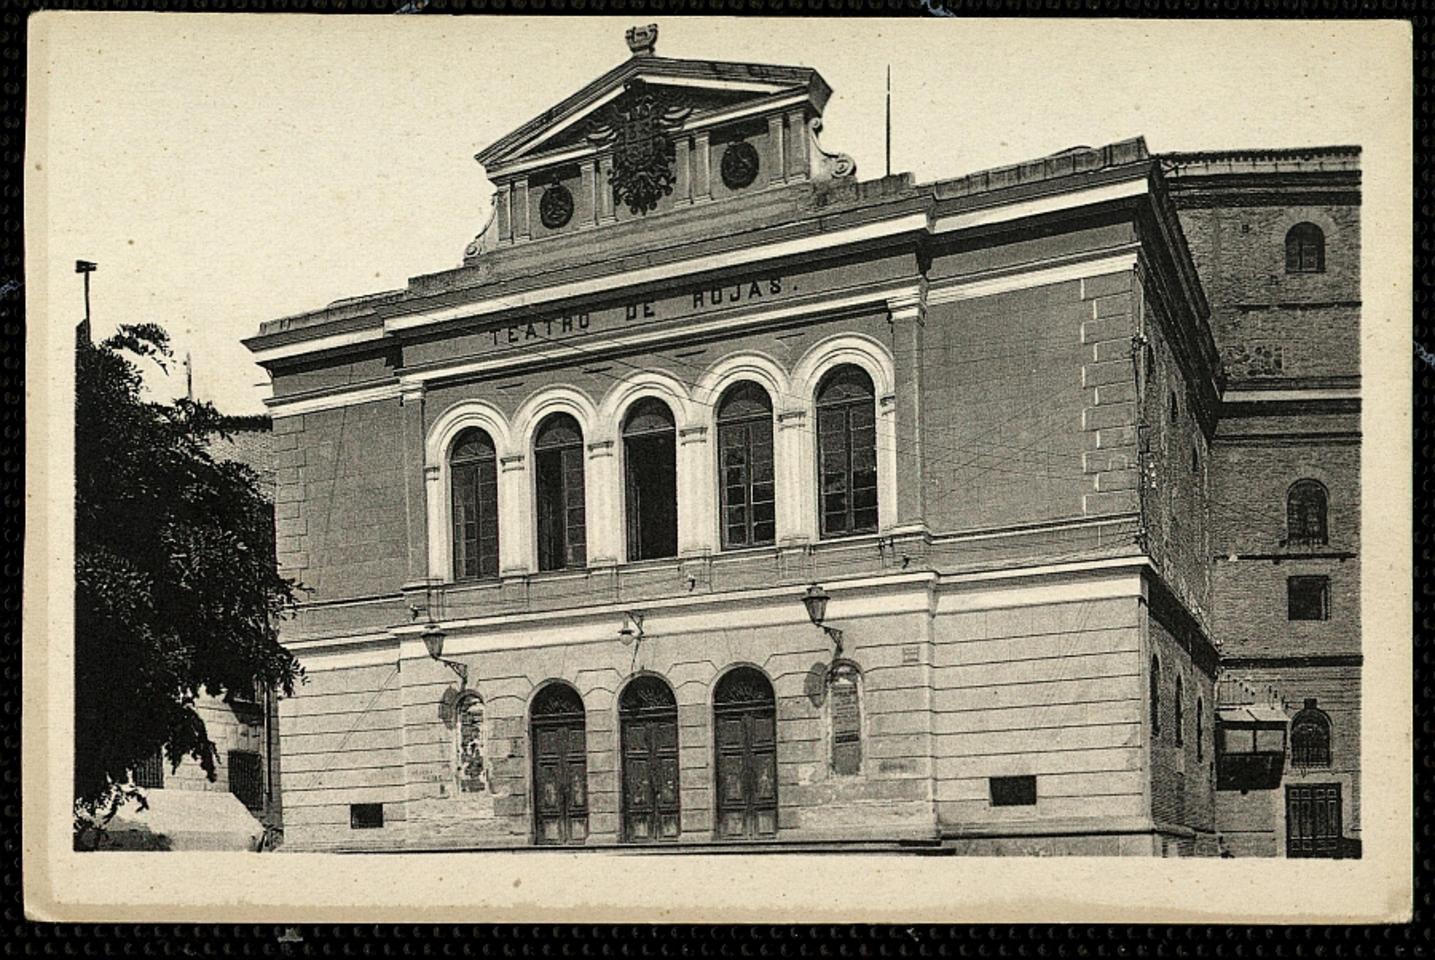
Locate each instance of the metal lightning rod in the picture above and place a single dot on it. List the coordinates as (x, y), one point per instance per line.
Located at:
(889, 119)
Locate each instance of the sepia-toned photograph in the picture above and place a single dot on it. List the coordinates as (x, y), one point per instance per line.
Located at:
(658, 447)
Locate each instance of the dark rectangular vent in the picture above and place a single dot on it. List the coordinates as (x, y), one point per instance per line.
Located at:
(1013, 791)
(366, 816)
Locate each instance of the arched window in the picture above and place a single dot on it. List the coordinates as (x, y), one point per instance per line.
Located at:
(1200, 729)
(1177, 707)
(1310, 737)
(558, 478)
(1305, 249)
(1155, 697)
(648, 717)
(745, 479)
(847, 451)
(473, 476)
(559, 734)
(1306, 509)
(745, 720)
(469, 769)
(1172, 406)
(844, 704)
(650, 466)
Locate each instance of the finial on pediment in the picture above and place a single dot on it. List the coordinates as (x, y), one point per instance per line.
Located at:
(642, 40)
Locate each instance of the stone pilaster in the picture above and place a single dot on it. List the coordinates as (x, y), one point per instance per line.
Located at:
(908, 316)
(798, 164)
(603, 505)
(697, 508)
(521, 229)
(417, 495)
(702, 167)
(795, 472)
(776, 154)
(515, 517)
(605, 192)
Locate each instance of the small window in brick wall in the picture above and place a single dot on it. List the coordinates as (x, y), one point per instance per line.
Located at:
(468, 745)
(844, 700)
(1013, 791)
(366, 816)
(1308, 598)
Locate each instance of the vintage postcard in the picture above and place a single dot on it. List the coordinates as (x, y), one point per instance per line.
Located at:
(710, 469)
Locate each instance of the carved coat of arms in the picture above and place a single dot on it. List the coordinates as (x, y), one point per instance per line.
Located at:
(640, 127)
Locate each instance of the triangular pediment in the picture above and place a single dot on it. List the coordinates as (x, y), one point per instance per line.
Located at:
(706, 92)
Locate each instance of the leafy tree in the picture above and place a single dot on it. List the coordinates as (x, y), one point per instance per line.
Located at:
(176, 588)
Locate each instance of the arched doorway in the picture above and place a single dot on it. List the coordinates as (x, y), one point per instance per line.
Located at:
(745, 719)
(560, 766)
(648, 715)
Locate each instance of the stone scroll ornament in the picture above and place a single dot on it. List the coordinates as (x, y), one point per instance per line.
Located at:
(639, 127)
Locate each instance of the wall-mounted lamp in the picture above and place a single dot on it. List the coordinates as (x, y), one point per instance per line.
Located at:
(433, 643)
(632, 629)
(815, 600)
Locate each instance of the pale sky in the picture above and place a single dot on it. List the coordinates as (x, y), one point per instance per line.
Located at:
(223, 169)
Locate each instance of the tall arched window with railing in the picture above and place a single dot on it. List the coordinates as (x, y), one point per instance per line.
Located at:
(745, 470)
(558, 482)
(1307, 508)
(847, 451)
(473, 482)
(1305, 249)
(650, 464)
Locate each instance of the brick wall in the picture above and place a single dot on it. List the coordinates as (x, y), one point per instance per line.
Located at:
(1260, 313)
(1250, 518)
(1177, 466)
(1182, 786)
(1252, 823)
(339, 500)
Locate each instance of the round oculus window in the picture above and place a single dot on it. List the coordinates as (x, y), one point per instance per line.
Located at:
(555, 207)
(739, 165)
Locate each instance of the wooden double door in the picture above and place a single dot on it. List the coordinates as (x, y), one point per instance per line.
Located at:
(745, 717)
(648, 714)
(560, 767)
(1313, 820)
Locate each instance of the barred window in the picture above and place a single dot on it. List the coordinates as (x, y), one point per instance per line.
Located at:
(1305, 249)
(149, 772)
(844, 698)
(246, 778)
(745, 474)
(1307, 507)
(847, 451)
(558, 475)
(473, 471)
(1310, 737)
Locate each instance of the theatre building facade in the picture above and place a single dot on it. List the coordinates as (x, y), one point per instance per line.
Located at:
(723, 499)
